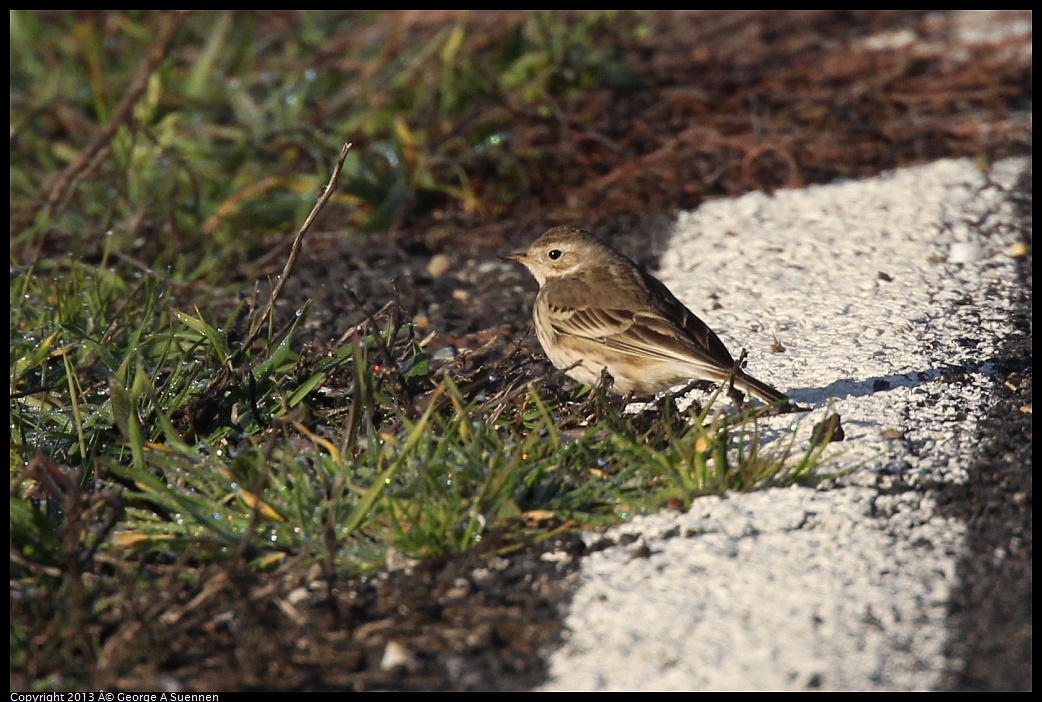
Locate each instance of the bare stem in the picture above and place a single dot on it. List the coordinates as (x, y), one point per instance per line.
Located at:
(294, 251)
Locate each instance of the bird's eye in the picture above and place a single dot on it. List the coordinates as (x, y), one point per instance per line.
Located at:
(554, 254)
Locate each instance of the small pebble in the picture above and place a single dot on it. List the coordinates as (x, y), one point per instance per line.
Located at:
(965, 252)
(439, 265)
(397, 656)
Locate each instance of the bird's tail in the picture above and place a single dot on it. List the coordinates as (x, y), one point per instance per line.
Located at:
(763, 391)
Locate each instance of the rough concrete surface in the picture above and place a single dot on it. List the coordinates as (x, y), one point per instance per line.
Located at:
(891, 297)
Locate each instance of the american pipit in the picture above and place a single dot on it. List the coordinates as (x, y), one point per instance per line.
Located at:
(597, 310)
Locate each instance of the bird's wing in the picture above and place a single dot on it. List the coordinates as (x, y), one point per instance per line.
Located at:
(648, 322)
(697, 331)
(636, 333)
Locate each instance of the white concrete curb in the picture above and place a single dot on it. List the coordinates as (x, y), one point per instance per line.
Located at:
(889, 296)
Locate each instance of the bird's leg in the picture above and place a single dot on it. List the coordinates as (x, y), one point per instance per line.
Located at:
(669, 408)
(604, 385)
(735, 394)
(598, 395)
(671, 396)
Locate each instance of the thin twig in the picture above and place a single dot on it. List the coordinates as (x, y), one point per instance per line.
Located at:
(294, 251)
(350, 332)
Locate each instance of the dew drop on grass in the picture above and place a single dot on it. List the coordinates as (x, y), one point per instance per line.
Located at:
(492, 143)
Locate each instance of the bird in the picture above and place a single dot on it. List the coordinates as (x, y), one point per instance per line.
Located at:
(598, 311)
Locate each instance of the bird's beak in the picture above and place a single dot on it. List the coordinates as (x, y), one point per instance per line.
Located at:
(518, 257)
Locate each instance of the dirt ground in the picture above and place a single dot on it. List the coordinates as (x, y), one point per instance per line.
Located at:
(729, 102)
